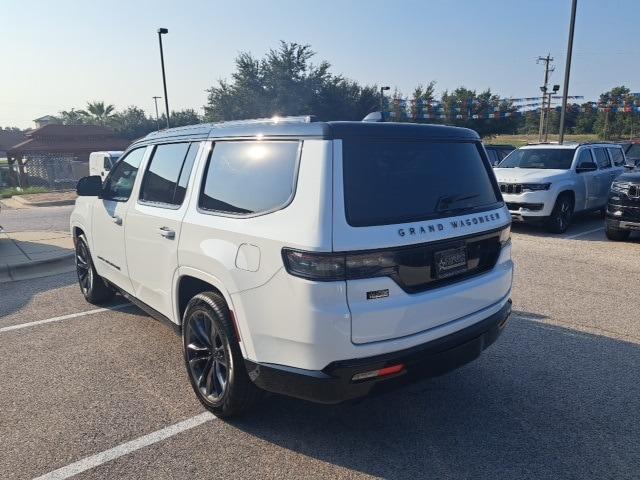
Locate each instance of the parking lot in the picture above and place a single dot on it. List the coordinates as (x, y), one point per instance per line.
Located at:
(103, 392)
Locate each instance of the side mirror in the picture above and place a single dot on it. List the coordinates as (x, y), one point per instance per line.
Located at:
(89, 186)
(586, 167)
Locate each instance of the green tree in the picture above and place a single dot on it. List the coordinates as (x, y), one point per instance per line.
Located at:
(285, 82)
(132, 123)
(98, 112)
(73, 117)
(184, 117)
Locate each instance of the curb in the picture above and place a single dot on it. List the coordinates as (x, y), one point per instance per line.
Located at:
(39, 268)
(55, 203)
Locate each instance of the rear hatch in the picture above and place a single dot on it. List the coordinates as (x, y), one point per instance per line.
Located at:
(419, 220)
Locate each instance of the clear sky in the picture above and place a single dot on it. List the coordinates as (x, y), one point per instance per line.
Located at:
(57, 55)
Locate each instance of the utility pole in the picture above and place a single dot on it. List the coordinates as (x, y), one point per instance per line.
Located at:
(567, 69)
(155, 100)
(547, 70)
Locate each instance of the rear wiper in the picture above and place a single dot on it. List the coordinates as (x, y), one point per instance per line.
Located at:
(445, 202)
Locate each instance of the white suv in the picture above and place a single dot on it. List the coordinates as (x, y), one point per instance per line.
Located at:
(317, 260)
(548, 183)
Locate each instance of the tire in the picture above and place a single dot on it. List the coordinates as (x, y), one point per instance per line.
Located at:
(603, 212)
(616, 234)
(213, 359)
(561, 215)
(92, 286)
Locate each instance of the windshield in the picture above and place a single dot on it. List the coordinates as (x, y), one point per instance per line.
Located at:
(545, 158)
(634, 151)
(389, 182)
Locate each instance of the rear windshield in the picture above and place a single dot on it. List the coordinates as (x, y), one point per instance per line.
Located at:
(545, 158)
(388, 182)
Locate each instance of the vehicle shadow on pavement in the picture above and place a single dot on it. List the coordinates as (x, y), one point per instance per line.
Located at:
(16, 295)
(543, 402)
(581, 223)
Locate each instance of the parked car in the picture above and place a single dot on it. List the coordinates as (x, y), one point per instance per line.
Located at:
(101, 163)
(632, 152)
(623, 209)
(496, 153)
(548, 183)
(318, 260)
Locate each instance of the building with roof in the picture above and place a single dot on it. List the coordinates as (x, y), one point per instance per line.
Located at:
(9, 138)
(46, 120)
(56, 156)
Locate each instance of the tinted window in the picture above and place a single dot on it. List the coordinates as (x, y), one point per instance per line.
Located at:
(634, 151)
(617, 157)
(388, 182)
(167, 169)
(601, 158)
(106, 164)
(584, 157)
(249, 177)
(119, 183)
(545, 158)
(493, 156)
(185, 173)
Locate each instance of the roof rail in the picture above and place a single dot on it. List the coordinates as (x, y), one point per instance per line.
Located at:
(272, 120)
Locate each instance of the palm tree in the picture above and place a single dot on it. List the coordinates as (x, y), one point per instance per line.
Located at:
(98, 112)
(72, 117)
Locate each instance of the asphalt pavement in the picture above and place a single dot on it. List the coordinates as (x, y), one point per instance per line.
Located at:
(104, 394)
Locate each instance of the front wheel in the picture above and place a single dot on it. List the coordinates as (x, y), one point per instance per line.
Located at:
(93, 287)
(213, 358)
(561, 215)
(616, 234)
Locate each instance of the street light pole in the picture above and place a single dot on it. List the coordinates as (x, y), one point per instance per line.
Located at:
(567, 70)
(155, 100)
(382, 89)
(162, 31)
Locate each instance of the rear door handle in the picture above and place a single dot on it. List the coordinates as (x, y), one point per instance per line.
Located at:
(166, 232)
(117, 220)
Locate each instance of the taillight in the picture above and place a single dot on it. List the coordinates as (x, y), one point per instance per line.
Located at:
(325, 267)
(329, 267)
(505, 236)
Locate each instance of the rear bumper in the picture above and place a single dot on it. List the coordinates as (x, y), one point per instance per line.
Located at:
(333, 384)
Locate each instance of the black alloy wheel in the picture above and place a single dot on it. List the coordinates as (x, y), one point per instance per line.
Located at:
(83, 267)
(93, 287)
(213, 357)
(207, 357)
(561, 216)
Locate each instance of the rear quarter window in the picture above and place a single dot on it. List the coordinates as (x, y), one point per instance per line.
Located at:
(389, 182)
(249, 177)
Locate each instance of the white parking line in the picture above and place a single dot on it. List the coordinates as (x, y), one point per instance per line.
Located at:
(571, 237)
(63, 317)
(125, 448)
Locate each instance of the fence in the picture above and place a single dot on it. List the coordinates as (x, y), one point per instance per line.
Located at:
(54, 173)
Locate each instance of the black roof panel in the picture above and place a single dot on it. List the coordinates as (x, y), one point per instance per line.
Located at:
(327, 130)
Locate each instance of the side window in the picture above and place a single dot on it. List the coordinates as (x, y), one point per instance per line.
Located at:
(617, 157)
(119, 183)
(185, 173)
(602, 159)
(165, 173)
(493, 157)
(106, 164)
(248, 177)
(584, 157)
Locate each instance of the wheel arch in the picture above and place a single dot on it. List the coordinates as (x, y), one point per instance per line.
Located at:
(188, 282)
(567, 192)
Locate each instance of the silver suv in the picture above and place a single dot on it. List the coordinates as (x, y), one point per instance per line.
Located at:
(549, 183)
